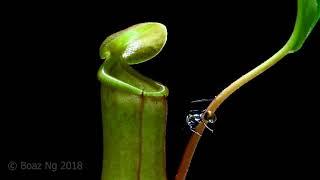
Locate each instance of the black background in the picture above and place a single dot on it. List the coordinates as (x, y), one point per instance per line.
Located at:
(50, 93)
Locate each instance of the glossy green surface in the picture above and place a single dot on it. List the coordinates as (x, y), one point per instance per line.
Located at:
(135, 44)
(134, 107)
(308, 15)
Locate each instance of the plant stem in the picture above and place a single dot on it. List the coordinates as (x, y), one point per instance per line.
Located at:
(246, 78)
(188, 153)
(218, 100)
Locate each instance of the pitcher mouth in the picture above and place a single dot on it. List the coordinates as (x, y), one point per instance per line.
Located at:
(134, 45)
(124, 77)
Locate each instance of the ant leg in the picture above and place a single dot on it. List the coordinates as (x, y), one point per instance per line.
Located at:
(195, 132)
(205, 124)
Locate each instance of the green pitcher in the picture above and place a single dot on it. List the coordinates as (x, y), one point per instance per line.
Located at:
(134, 107)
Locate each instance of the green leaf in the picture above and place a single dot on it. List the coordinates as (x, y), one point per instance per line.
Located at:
(307, 17)
(135, 44)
